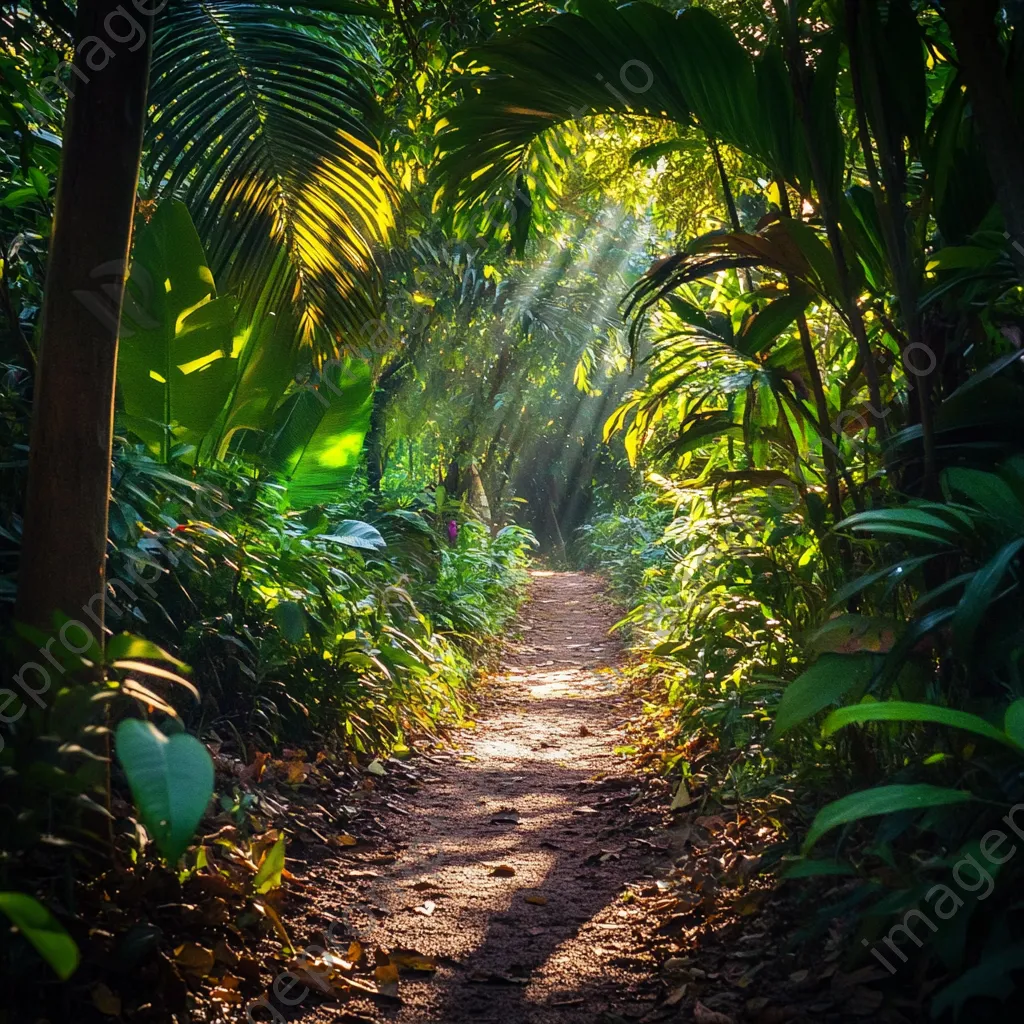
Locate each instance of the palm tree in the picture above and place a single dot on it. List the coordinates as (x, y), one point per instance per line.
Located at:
(261, 118)
(776, 103)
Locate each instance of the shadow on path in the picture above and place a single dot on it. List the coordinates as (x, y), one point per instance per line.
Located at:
(538, 790)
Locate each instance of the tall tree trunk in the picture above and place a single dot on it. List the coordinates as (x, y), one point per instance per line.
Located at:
(63, 551)
(972, 24)
(388, 385)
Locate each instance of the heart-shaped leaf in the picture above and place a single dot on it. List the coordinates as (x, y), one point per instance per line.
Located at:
(171, 779)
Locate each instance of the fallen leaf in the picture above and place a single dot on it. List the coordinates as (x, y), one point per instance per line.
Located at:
(106, 1001)
(314, 975)
(676, 965)
(749, 903)
(225, 954)
(338, 963)
(410, 960)
(254, 772)
(682, 797)
(712, 822)
(226, 994)
(427, 909)
(386, 977)
(676, 996)
(376, 768)
(702, 1015)
(194, 959)
(503, 871)
(537, 901)
(249, 968)
(343, 839)
(216, 885)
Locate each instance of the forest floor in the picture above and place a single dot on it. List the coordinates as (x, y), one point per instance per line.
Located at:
(530, 875)
(510, 861)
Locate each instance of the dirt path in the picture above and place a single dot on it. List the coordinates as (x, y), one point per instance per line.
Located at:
(539, 790)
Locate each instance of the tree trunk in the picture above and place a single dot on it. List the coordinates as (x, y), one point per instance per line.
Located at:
(63, 551)
(972, 24)
(388, 385)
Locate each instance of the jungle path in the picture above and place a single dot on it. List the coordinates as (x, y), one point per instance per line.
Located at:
(510, 858)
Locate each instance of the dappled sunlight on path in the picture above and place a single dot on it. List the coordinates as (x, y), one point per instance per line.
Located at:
(512, 857)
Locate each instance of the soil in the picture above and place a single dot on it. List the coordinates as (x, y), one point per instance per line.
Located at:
(533, 875)
(510, 861)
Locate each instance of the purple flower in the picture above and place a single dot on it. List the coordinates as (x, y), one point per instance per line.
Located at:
(453, 531)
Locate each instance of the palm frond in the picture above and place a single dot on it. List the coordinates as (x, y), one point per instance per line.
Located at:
(262, 122)
(636, 59)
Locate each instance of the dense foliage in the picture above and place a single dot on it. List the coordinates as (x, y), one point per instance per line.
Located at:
(722, 299)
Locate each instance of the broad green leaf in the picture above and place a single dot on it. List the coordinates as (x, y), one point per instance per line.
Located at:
(959, 257)
(979, 593)
(824, 683)
(127, 645)
(883, 800)
(354, 533)
(174, 366)
(269, 875)
(765, 328)
(825, 129)
(988, 491)
(851, 634)
(911, 711)
(266, 366)
(906, 522)
(894, 573)
(816, 868)
(818, 256)
(902, 66)
(1014, 722)
(147, 669)
(171, 780)
(990, 979)
(291, 620)
(318, 443)
(43, 930)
